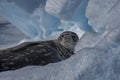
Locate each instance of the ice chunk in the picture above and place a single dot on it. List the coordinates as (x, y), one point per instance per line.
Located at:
(48, 22)
(71, 11)
(113, 20)
(105, 65)
(28, 6)
(63, 9)
(32, 25)
(80, 16)
(20, 18)
(103, 22)
(112, 40)
(98, 13)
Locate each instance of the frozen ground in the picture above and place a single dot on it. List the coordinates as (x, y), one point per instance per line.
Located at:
(97, 53)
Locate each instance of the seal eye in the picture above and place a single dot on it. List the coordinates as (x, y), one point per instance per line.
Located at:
(74, 38)
(62, 35)
(60, 38)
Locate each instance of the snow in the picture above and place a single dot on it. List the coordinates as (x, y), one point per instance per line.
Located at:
(97, 53)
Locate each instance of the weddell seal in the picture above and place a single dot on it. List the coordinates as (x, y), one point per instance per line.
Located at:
(39, 53)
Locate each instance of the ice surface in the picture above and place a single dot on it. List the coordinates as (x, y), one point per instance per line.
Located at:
(98, 12)
(97, 53)
(48, 22)
(20, 18)
(88, 64)
(80, 16)
(70, 11)
(63, 9)
(102, 24)
(28, 6)
(37, 25)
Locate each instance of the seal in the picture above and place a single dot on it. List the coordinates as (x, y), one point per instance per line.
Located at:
(39, 53)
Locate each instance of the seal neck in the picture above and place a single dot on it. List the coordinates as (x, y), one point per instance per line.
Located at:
(63, 52)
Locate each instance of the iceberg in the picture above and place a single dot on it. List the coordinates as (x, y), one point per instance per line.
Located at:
(97, 53)
(102, 19)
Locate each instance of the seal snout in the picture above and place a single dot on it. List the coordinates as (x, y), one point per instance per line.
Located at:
(67, 38)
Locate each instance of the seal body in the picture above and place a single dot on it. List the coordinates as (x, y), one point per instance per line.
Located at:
(36, 53)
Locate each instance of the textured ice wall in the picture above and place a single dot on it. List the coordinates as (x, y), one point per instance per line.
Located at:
(63, 9)
(41, 24)
(49, 23)
(38, 25)
(98, 55)
(68, 10)
(99, 13)
(20, 18)
(31, 25)
(103, 16)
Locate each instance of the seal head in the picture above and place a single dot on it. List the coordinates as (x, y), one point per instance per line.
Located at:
(68, 39)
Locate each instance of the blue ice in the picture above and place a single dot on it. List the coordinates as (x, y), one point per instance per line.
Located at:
(50, 24)
(31, 26)
(80, 17)
(98, 58)
(20, 18)
(28, 23)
